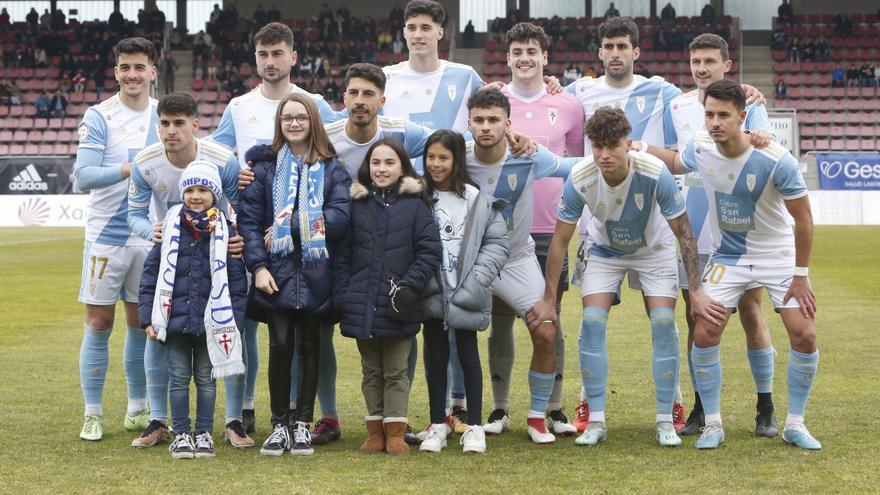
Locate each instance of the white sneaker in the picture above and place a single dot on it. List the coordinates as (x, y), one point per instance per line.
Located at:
(422, 435)
(473, 440)
(499, 422)
(435, 440)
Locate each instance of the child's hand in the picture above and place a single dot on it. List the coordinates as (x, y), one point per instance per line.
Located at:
(157, 233)
(264, 281)
(151, 332)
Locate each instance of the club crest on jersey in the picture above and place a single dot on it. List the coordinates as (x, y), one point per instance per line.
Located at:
(751, 180)
(639, 198)
(511, 181)
(552, 114)
(640, 103)
(451, 91)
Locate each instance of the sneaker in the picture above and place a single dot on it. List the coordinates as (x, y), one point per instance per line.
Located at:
(249, 421)
(278, 442)
(498, 422)
(538, 432)
(594, 434)
(302, 440)
(204, 445)
(93, 428)
(581, 416)
(435, 440)
(473, 440)
(182, 447)
(765, 424)
(694, 424)
(409, 437)
(666, 435)
(236, 436)
(138, 422)
(459, 419)
(711, 438)
(798, 435)
(155, 433)
(326, 430)
(559, 425)
(678, 416)
(422, 435)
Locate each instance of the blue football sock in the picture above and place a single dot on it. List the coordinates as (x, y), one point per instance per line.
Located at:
(707, 372)
(540, 385)
(133, 363)
(664, 357)
(327, 374)
(594, 356)
(94, 355)
(249, 333)
(801, 373)
(761, 362)
(156, 364)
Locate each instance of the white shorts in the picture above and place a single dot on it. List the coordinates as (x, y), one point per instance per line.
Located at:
(520, 284)
(727, 283)
(682, 274)
(111, 273)
(658, 276)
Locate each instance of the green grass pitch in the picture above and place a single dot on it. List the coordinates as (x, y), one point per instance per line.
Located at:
(41, 404)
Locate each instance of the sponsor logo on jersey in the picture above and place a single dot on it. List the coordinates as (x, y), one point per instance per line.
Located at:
(639, 198)
(28, 180)
(552, 114)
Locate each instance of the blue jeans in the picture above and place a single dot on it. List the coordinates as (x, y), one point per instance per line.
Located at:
(188, 357)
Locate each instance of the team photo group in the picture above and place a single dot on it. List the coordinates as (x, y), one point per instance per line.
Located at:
(436, 203)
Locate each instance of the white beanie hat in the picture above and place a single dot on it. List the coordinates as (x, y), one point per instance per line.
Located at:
(202, 173)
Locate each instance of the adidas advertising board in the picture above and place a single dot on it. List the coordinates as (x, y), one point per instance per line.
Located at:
(46, 210)
(25, 175)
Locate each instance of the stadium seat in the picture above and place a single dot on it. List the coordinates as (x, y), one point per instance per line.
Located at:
(838, 145)
(807, 145)
(46, 149)
(31, 149)
(867, 145)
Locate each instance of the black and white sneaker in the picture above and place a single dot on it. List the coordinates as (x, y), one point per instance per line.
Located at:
(204, 445)
(302, 440)
(278, 442)
(182, 447)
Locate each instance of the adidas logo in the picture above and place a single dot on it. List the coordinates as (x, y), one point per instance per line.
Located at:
(28, 180)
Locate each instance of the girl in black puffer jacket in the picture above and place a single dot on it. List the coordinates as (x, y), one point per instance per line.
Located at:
(391, 250)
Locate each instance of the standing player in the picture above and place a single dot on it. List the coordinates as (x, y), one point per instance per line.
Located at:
(498, 173)
(631, 196)
(684, 117)
(110, 134)
(556, 122)
(155, 177)
(749, 191)
(247, 121)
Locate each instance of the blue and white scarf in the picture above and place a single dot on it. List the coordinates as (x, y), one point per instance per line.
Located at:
(222, 335)
(308, 193)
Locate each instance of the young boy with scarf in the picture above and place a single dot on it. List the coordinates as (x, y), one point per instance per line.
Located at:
(192, 298)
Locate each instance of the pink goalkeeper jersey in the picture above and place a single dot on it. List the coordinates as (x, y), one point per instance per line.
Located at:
(557, 122)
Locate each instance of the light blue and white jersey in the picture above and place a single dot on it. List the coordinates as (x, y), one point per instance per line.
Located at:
(352, 154)
(683, 119)
(629, 219)
(643, 102)
(249, 120)
(512, 180)
(110, 135)
(747, 201)
(436, 100)
(154, 178)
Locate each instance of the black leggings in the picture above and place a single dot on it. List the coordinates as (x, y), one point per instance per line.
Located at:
(289, 332)
(436, 354)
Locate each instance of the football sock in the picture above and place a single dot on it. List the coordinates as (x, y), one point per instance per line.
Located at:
(502, 349)
(594, 357)
(698, 404)
(540, 385)
(133, 364)
(707, 370)
(156, 364)
(664, 358)
(93, 358)
(677, 399)
(801, 373)
(761, 362)
(556, 394)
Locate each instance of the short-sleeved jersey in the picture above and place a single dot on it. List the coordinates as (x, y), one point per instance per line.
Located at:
(249, 120)
(643, 102)
(629, 219)
(154, 178)
(683, 119)
(747, 201)
(436, 100)
(512, 180)
(352, 154)
(557, 122)
(117, 133)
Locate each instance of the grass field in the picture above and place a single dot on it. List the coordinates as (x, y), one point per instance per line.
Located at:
(41, 404)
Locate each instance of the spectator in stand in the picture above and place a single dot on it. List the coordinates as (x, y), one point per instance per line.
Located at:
(708, 15)
(10, 92)
(571, 74)
(470, 33)
(259, 16)
(99, 75)
(65, 84)
(32, 18)
(867, 75)
(667, 16)
(794, 49)
(591, 72)
(116, 22)
(778, 41)
(273, 14)
(167, 69)
(79, 82)
(781, 88)
(213, 67)
(41, 60)
(398, 45)
(612, 11)
(823, 51)
(5, 25)
(396, 13)
(785, 13)
(877, 74)
(838, 77)
(306, 66)
(46, 20)
(853, 75)
(199, 67)
(842, 26)
(808, 51)
(58, 105)
(43, 104)
(385, 40)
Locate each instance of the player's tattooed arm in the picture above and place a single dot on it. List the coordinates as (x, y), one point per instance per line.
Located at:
(701, 304)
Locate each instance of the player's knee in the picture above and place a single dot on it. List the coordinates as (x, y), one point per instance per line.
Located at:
(593, 328)
(544, 338)
(804, 339)
(663, 329)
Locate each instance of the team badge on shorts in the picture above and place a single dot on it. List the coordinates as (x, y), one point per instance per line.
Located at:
(640, 103)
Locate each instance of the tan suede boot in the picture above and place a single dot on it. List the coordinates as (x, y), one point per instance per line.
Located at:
(394, 443)
(375, 442)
